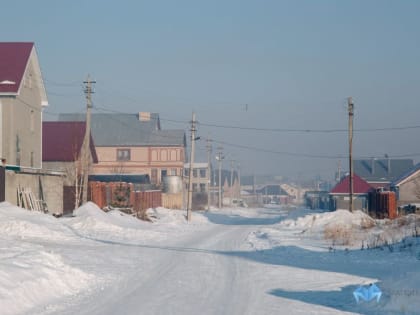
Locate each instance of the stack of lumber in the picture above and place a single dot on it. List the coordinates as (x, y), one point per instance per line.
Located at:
(26, 199)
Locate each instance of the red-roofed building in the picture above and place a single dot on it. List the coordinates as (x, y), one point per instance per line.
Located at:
(62, 151)
(22, 99)
(62, 145)
(340, 194)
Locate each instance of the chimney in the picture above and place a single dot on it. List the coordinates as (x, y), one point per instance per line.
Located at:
(144, 116)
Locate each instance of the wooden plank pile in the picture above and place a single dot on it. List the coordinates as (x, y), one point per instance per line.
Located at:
(26, 199)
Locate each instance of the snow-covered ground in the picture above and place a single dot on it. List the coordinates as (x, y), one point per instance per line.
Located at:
(230, 261)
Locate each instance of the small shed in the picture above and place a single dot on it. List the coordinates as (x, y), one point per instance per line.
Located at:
(340, 194)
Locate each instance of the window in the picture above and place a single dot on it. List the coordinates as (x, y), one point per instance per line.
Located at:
(154, 175)
(195, 172)
(195, 187)
(163, 174)
(202, 187)
(203, 172)
(123, 155)
(173, 171)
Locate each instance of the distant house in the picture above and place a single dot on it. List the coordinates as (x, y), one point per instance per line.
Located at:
(62, 146)
(379, 173)
(135, 144)
(274, 194)
(22, 99)
(200, 177)
(407, 187)
(340, 194)
(315, 199)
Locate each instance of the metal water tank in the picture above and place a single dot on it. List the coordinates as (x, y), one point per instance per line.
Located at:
(172, 184)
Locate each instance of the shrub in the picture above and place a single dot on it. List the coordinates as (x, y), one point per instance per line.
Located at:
(340, 235)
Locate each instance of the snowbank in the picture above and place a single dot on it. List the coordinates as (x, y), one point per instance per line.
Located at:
(31, 275)
(340, 228)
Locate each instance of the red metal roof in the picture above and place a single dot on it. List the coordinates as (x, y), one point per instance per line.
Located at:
(360, 186)
(62, 141)
(13, 60)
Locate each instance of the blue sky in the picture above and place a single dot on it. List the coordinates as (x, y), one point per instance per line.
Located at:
(293, 62)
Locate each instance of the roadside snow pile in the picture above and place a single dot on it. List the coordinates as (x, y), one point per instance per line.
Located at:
(92, 222)
(355, 229)
(174, 217)
(31, 275)
(18, 222)
(338, 228)
(331, 220)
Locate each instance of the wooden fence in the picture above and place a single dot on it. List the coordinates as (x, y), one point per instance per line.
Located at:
(173, 201)
(122, 195)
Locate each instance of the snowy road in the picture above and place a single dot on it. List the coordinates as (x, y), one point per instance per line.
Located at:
(233, 261)
(198, 273)
(211, 270)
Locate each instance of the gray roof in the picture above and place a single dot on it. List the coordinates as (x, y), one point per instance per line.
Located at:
(407, 174)
(382, 170)
(128, 130)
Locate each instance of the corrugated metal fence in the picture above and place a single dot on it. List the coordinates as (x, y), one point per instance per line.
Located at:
(383, 204)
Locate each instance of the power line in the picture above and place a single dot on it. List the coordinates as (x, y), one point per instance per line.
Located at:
(285, 130)
(310, 130)
(303, 155)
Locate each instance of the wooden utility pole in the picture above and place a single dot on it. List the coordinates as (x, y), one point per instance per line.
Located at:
(86, 142)
(339, 171)
(231, 180)
(209, 170)
(192, 153)
(239, 180)
(351, 114)
(219, 158)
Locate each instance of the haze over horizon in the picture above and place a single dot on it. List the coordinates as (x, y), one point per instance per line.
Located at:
(280, 71)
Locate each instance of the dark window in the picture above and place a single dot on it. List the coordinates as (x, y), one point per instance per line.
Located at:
(202, 187)
(203, 172)
(123, 155)
(194, 172)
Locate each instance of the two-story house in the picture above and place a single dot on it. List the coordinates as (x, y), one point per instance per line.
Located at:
(134, 144)
(22, 99)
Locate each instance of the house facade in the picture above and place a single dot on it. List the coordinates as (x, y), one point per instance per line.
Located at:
(22, 99)
(407, 188)
(200, 177)
(274, 194)
(135, 144)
